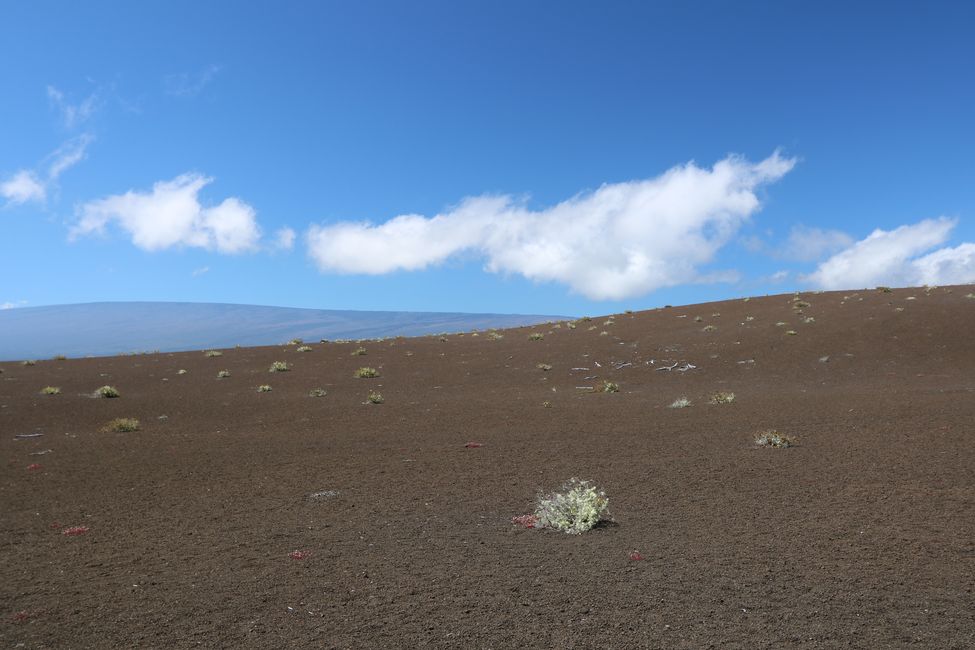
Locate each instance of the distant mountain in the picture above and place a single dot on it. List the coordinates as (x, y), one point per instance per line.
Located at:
(106, 328)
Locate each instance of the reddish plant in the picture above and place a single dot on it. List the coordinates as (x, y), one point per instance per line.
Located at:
(299, 555)
(636, 556)
(75, 530)
(33, 467)
(528, 521)
(21, 616)
(474, 445)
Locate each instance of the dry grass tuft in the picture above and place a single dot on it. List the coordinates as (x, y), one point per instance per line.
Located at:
(121, 425)
(773, 438)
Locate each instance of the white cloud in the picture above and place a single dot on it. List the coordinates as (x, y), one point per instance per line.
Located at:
(189, 85)
(200, 271)
(22, 187)
(12, 305)
(895, 258)
(284, 239)
(72, 114)
(171, 215)
(809, 244)
(622, 240)
(27, 185)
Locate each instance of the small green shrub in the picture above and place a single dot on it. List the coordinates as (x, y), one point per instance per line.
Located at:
(722, 397)
(121, 425)
(791, 332)
(358, 352)
(375, 398)
(884, 289)
(366, 373)
(303, 348)
(107, 392)
(223, 374)
(60, 357)
(680, 403)
(773, 438)
(610, 387)
(495, 336)
(213, 353)
(575, 509)
(546, 405)
(50, 390)
(708, 328)
(317, 392)
(279, 366)
(294, 342)
(263, 388)
(536, 336)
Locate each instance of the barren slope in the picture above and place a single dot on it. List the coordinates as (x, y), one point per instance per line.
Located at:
(863, 536)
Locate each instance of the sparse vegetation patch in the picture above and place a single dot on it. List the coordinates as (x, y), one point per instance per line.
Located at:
(773, 438)
(722, 397)
(366, 373)
(223, 374)
(303, 348)
(279, 366)
(213, 353)
(536, 336)
(358, 352)
(610, 387)
(317, 392)
(576, 508)
(121, 425)
(680, 403)
(375, 398)
(544, 367)
(106, 392)
(263, 388)
(50, 390)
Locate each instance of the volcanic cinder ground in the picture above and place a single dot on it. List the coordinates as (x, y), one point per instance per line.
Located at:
(862, 536)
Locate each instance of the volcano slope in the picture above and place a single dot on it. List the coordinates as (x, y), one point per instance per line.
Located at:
(863, 535)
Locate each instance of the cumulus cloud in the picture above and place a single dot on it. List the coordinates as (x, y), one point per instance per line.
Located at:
(619, 241)
(284, 239)
(72, 115)
(897, 258)
(170, 215)
(809, 244)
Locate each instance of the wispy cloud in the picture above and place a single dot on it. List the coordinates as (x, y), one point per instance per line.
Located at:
(807, 244)
(187, 84)
(899, 257)
(200, 271)
(170, 215)
(73, 115)
(30, 185)
(12, 305)
(284, 239)
(22, 187)
(622, 240)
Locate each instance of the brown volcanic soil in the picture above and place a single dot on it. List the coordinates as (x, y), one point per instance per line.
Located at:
(863, 536)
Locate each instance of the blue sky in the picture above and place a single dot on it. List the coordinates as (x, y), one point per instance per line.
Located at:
(559, 158)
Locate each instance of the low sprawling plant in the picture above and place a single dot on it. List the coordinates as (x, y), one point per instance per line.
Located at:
(536, 336)
(294, 342)
(263, 388)
(303, 348)
(317, 392)
(279, 366)
(358, 352)
(50, 390)
(213, 353)
(576, 508)
(722, 397)
(375, 398)
(495, 336)
(773, 438)
(121, 425)
(544, 367)
(60, 357)
(107, 392)
(181, 371)
(223, 374)
(708, 328)
(791, 332)
(366, 373)
(680, 403)
(610, 387)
